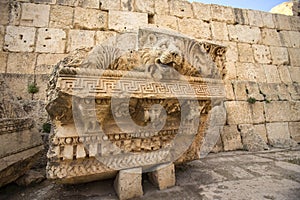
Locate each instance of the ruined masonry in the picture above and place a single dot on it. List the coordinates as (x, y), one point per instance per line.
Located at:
(260, 67)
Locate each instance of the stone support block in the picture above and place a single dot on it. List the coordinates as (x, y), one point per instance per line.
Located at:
(3, 61)
(21, 63)
(241, 16)
(278, 111)
(294, 128)
(255, 18)
(61, 16)
(125, 21)
(238, 112)
(250, 72)
(222, 13)
(247, 34)
(144, 6)
(110, 4)
(231, 138)
(267, 19)
(201, 11)
(19, 39)
(46, 62)
(36, 15)
(161, 7)
(219, 31)
(261, 54)
(181, 8)
(279, 136)
(245, 52)
(270, 37)
(80, 39)
(284, 74)
(272, 74)
(90, 19)
(51, 40)
(282, 22)
(294, 57)
(195, 28)
(163, 176)
(128, 183)
(166, 21)
(280, 55)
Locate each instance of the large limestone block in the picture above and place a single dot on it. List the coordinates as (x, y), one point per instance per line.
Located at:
(250, 72)
(279, 135)
(231, 52)
(80, 39)
(110, 4)
(261, 54)
(90, 19)
(295, 38)
(181, 8)
(3, 61)
(166, 21)
(127, 5)
(267, 19)
(230, 68)
(4, 13)
(21, 63)
(128, 183)
(161, 7)
(252, 90)
(269, 91)
(241, 16)
(61, 16)
(277, 111)
(294, 90)
(163, 176)
(285, 39)
(282, 22)
(219, 31)
(294, 57)
(35, 15)
(202, 11)
(245, 52)
(295, 23)
(195, 28)
(294, 128)
(280, 55)
(295, 74)
(257, 111)
(125, 21)
(240, 33)
(46, 62)
(19, 39)
(89, 4)
(144, 6)
(231, 138)
(284, 74)
(272, 75)
(255, 18)
(239, 88)
(261, 130)
(270, 37)
(251, 140)
(222, 13)
(2, 34)
(238, 112)
(106, 38)
(67, 2)
(51, 40)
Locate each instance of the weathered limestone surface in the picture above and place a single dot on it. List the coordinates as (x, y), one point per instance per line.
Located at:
(126, 21)
(279, 135)
(163, 176)
(19, 141)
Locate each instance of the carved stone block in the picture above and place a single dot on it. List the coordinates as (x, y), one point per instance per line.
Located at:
(247, 34)
(35, 15)
(51, 40)
(128, 183)
(19, 39)
(90, 19)
(61, 16)
(163, 176)
(80, 39)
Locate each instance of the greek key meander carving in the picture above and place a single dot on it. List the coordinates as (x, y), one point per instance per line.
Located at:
(114, 109)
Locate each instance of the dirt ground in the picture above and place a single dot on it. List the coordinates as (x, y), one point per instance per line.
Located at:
(237, 175)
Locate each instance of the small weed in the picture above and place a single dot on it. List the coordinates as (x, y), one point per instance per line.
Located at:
(251, 100)
(46, 127)
(32, 88)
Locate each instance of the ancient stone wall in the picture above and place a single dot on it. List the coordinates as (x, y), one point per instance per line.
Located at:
(262, 58)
